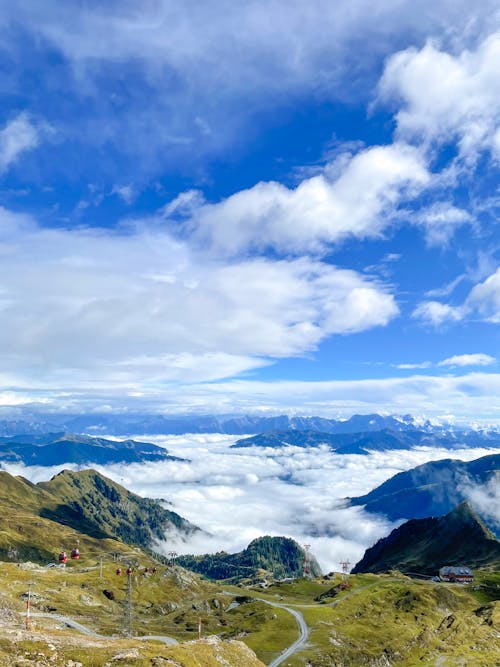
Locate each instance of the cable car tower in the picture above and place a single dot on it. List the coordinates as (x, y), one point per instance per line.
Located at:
(345, 569)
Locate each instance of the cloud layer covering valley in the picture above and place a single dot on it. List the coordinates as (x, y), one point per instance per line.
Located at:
(239, 494)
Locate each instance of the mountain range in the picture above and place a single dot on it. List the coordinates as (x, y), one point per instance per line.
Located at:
(146, 424)
(424, 545)
(431, 489)
(48, 449)
(365, 442)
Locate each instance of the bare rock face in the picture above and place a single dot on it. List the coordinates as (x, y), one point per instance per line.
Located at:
(183, 578)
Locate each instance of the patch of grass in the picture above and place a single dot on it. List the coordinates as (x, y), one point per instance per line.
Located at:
(266, 630)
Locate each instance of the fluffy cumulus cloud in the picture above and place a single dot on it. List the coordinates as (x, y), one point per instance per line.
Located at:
(360, 201)
(286, 491)
(482, 302)
(140, 305)
(447, 97)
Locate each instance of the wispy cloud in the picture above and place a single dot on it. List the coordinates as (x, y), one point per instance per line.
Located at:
(18, 136)
(126, 192)
(482, 302)
(410, 366)
(485, 499)
(478, 359)
(193, 61)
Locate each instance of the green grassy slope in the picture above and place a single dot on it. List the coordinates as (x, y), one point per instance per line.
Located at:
(425, 545)
(393, 621)
(106, 509)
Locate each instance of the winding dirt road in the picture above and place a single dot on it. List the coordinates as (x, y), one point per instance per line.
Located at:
(303, 630)
(90, 633)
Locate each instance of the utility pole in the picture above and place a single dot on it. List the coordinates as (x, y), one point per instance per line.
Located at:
(307, 562)
(100, 567)
(128, 611)
(199, 627)
(28, 604)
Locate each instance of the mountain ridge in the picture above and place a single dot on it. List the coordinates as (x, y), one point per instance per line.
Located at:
(430, 489)
(231, 424)
(424, 545)
(364, 442)
(85, 502)
(63, 447)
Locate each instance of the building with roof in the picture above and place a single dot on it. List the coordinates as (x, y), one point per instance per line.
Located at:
(456, 573)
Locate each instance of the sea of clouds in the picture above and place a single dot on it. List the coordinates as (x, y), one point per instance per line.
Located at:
(236, 495)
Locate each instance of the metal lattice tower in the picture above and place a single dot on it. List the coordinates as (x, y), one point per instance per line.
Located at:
(307, 561)
(345, 569)
(172, 555)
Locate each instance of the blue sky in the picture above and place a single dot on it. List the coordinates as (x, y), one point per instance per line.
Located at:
(227, 207)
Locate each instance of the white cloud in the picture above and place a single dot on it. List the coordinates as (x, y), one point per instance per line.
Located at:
(138, 308)
(468, 397)
(482, 302)
(360, 200)
(479, 359)
(436, 313)
(18, 136)
(126, 192)
(226, 59)
(484, 299)
(422, 364)
(486, 499)
(440, 222)
(447, 97)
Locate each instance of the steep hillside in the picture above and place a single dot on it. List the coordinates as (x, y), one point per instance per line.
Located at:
(59, 448)
(431, 489)
(425, 545)
(276, 556)
(34, 517)
(106, 509)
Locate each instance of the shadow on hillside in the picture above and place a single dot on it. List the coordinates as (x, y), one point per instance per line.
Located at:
(73, 518)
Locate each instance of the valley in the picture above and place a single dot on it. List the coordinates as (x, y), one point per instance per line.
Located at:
(149, 589)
